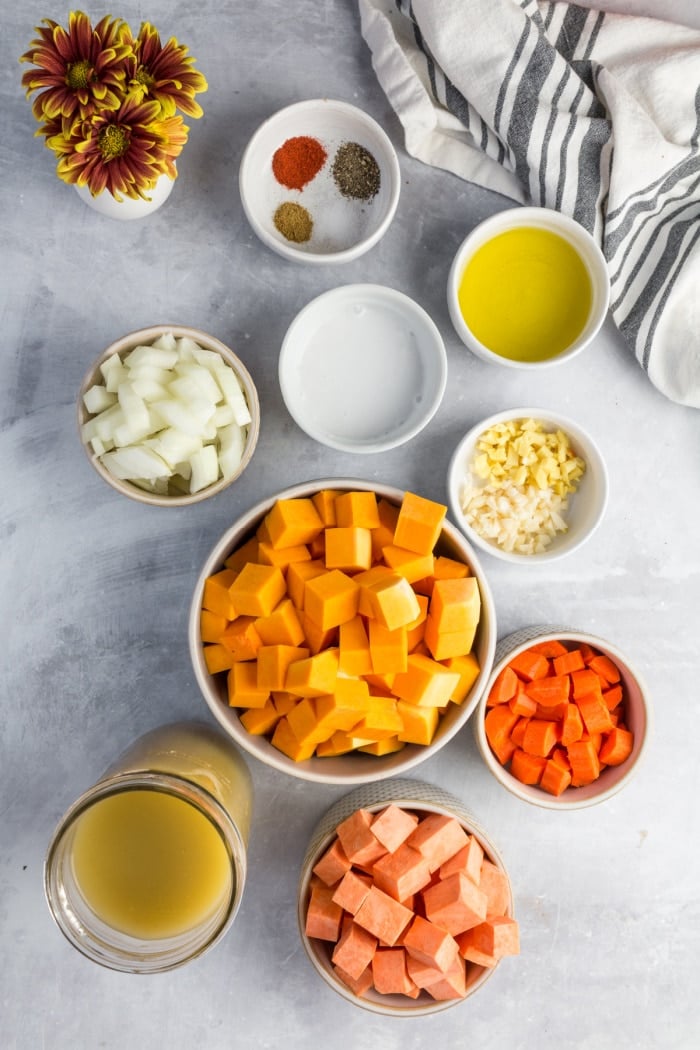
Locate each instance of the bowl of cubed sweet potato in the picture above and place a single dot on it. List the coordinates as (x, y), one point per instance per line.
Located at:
(564, 720)
(404, 904)
(342, 630)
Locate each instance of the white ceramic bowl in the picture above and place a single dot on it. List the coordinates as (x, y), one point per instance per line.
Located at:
(586, 505)
(637, 715)
(422, 798)
(557, 223)
(146, 336)
(353, 768)
(343, 228)
(362, 368)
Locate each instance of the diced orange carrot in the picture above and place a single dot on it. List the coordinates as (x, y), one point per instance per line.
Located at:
(550, 648)
(612, 696)
(583, 682)
(557, 713)
(572, 725)
(503, 749)
(605, 668)
(529, 665)
(504, 688)
(585, 766)
(498, 724)
(522, 704)
(554, 779)
(560, 757)
(568, 662)
(518, 731)
(549, 691)
(594, 712)
(526, 768)
(540, 737)
(616, 747)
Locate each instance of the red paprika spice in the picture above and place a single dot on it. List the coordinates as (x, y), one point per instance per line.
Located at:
(298, 161)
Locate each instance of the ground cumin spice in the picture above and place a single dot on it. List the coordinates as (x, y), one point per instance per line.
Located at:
(293, 222)
(356, 172)
(298, 161)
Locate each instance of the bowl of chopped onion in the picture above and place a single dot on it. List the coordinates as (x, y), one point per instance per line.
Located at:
(168, 415)
(527, 485)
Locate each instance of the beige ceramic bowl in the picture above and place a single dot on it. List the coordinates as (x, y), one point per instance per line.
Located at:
(145, 337)
(638, 718)
(353, 768)
(422, 798)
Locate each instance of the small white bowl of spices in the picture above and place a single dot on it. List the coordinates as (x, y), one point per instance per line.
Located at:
(527, 485)
(319, 182)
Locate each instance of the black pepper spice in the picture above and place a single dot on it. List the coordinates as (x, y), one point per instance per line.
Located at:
(356, 172)
(294, 222)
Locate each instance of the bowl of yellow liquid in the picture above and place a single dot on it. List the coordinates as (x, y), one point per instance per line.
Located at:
(528, 287)
(146, 869)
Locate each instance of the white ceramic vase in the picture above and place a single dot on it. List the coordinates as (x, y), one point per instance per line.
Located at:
(128, 208)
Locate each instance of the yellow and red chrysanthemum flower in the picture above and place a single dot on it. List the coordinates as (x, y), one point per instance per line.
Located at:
(163, 72)
(122, 151)
(79, 71)
(107, 102)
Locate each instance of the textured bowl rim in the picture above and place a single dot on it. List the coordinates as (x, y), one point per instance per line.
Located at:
(287, 250)
(378, 768)
(207, 342)
(410, 794)
(556, 221)
(517, 642)
(594, 462)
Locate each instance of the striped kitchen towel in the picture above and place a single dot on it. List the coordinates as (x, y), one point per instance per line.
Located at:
(594, 114)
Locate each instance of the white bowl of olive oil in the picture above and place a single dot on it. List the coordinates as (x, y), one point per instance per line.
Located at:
(528, 288)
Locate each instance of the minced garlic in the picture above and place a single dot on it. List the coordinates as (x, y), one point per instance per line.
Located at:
(521, 476)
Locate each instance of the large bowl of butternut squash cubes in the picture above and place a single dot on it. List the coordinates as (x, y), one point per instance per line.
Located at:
(342, 631)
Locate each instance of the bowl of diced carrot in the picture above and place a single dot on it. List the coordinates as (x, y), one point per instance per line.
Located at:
(564, 720)
(342, 631)
(404, 905)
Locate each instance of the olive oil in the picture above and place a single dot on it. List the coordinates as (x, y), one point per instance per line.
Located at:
(526, 294)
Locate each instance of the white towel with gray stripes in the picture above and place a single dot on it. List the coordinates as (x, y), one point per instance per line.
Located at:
(594, 114)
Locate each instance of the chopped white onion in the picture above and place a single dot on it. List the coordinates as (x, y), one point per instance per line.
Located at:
(171, 417)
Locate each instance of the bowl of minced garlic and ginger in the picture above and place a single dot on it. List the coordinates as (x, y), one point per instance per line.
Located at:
(527, 485)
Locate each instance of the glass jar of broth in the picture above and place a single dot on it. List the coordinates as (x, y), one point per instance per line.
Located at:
(146, 869)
